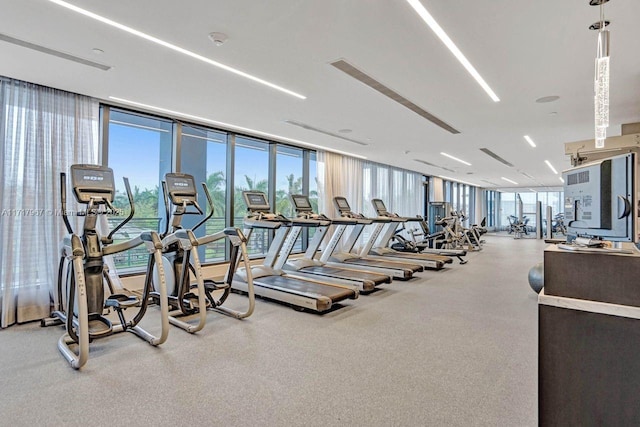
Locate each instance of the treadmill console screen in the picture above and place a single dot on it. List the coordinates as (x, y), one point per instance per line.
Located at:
(181, 188)
(92, 181)
(301, 202)
(256, 201)
(379, 206)
(342, 204)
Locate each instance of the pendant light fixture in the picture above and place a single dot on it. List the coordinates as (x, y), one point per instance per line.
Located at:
(601, 83)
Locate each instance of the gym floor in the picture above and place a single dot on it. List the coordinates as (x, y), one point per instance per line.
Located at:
(455, 348)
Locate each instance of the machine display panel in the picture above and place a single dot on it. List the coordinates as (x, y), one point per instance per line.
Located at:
(256, 200)
(92, 181)
(301, 202)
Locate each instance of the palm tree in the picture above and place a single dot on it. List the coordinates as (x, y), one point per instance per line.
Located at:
(283, 204)
(216, 183)
(250, 184)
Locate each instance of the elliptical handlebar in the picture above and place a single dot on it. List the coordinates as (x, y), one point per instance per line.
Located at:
(167, 210)
(131, 212)
(63, 201)
(209, 202)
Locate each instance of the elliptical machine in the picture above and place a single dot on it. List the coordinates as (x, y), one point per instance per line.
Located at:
(82, 272)
(180, 258)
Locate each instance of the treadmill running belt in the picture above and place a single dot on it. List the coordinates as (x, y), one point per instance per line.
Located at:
(293, 285)
(383, 264)
(342, 273)
(419, 256)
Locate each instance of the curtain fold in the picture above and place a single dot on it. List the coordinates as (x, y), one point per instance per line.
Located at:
(43, 132)
(359, 181)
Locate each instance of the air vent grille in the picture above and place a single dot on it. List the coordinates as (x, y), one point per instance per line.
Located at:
(495, 156)
(352, 71)
(53, 52)
(431, 164)
(325, 132)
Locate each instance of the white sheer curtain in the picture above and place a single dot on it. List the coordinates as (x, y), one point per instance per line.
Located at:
(339, 176)
(402, 191)
(43, 132)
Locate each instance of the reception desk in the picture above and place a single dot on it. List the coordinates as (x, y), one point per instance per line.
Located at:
(589, 339)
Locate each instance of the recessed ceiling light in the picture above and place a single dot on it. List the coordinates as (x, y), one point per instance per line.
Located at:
(553, 113)
(97, 51)
(172, 47)
(456, 159)
(562, 179)
(546, 99)
(218, 38)
(551, 167)
(531, 189)
(530, 141)
(231, 126)
(508, 180)
(436, 28)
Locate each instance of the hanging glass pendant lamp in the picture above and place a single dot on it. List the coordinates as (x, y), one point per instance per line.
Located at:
(601, 83)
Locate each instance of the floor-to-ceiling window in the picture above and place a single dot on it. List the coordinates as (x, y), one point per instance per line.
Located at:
(251, 172)
(144, 148)
(289, 165)
(203, 154)
(508, 206)
(289, 180)
(140, 149)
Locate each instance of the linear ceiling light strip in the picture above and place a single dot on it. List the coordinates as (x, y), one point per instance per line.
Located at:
(172, 47)
(431, 22)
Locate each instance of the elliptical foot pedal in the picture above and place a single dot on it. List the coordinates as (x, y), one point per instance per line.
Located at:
(212, 285)
(190, 300)
(99, 326)
(122, 301)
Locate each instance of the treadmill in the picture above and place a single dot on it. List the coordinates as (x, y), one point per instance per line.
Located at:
(333, 258)
(428, 260)
(307, 266)
(272, 283)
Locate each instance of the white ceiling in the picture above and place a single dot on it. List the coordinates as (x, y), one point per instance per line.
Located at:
(524, 50)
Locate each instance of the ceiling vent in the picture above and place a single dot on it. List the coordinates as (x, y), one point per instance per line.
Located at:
(527, 175)
(326, 132)
(431, 164)
(53, 52)
(495, 156)
(352, 71)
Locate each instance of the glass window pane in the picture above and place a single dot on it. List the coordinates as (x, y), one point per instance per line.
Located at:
(507, 208)
(204, 154)
(288, 177)
(288, 181)
(251, 172)
(140, 149)
(313, 186)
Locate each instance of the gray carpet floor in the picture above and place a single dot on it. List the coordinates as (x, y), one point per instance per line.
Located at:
(451, 348)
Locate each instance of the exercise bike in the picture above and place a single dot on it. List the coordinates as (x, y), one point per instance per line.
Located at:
(83, 273)
(181, 260)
